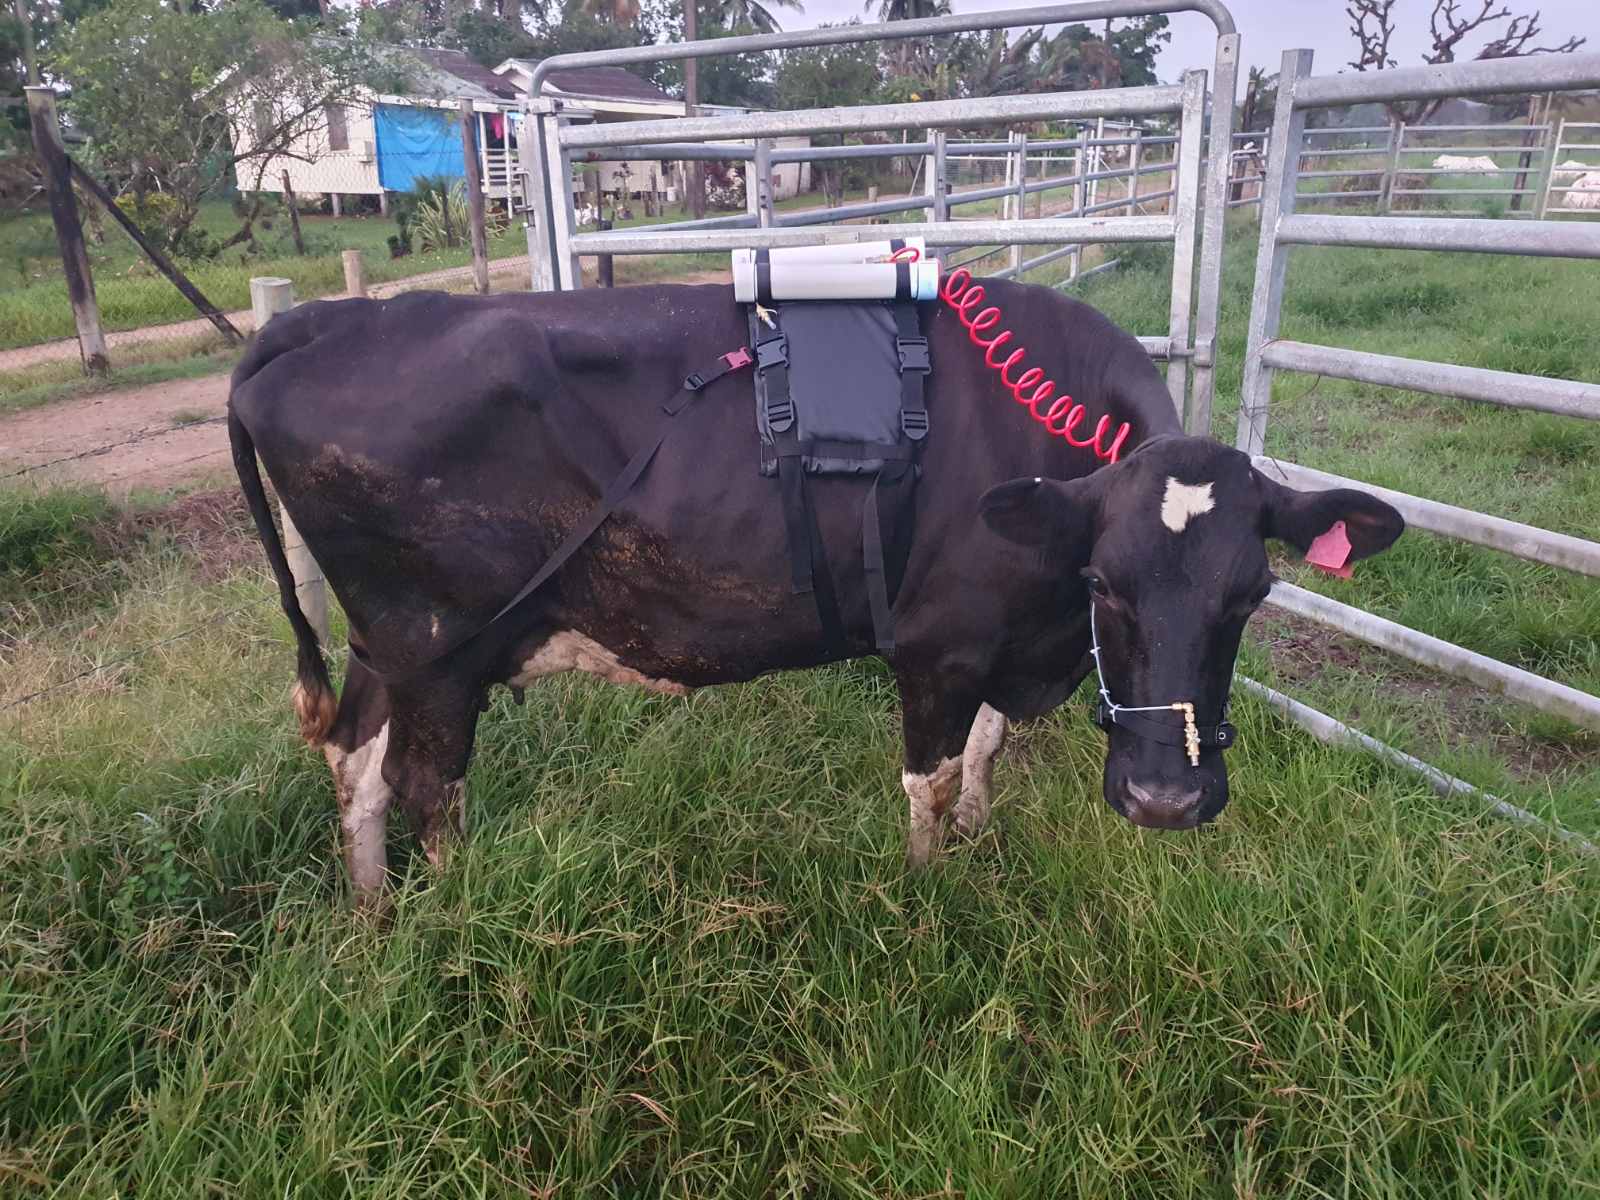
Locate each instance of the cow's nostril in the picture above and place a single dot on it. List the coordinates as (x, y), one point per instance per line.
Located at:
(1162, 807)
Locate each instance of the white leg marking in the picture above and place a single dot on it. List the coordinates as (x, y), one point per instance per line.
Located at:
(572, 651)
(977, 770)
(931, 796)
(1183, 502)
(364, 800)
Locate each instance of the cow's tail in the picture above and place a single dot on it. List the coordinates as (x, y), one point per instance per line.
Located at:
(314, 701)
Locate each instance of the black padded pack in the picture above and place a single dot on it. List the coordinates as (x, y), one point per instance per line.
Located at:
(840, 391)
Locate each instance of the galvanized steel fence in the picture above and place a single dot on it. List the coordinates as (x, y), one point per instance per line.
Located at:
(1283, 228)
(555, 243)
(1270, 165)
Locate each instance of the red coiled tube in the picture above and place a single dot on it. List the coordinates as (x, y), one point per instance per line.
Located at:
(1062, 416)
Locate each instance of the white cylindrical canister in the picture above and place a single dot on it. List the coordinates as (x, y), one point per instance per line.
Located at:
(835, 281)
(845, 252)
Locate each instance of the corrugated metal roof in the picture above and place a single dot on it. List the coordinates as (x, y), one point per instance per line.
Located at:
(607, 83)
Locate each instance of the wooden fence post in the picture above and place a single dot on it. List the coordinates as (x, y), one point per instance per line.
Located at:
(69, 231)
(355, 275)
(294, 215)
(469, 152)
(270, 295)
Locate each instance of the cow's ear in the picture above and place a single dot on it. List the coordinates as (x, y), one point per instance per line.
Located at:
(1038, 512)
(1299, 518)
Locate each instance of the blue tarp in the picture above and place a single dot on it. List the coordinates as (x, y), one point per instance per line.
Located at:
(416, 141)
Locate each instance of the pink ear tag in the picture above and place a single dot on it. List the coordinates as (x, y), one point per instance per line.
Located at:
(1331, 551)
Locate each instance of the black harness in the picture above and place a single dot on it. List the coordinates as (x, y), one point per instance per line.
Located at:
(840, 390)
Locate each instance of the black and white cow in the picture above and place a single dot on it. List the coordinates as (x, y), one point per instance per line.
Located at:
(433, 450)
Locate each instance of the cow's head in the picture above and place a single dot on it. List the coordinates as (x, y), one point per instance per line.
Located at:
(1168, 547)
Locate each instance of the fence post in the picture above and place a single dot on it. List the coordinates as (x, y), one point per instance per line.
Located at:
(69, 231)
(1559, 134)
(1134, 156)
(1016, 206)
(761, 172)
(1397, 137)
(355, 275)
(469, 152)
(293, 205)
(937, 183)
(1525, 159)
(270, 295)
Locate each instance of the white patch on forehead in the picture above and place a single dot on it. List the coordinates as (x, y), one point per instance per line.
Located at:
(1183, 502)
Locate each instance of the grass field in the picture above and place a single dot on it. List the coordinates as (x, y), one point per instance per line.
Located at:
(681, 955)
(33, 296)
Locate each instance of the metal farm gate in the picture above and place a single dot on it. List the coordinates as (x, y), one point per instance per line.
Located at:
(547, 157)
(1283, 228)
(555, 138)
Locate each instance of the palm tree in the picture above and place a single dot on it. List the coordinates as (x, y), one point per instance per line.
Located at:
(751, 14)
(911, 59)
(614, 12)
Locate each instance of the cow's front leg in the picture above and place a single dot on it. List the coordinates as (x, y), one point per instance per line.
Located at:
(984, 740)
(936, 723)
(430, 743)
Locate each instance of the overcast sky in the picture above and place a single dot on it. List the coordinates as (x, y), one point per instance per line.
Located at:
(1269, 27)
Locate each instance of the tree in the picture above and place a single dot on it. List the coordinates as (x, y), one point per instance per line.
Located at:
(828, 77)
(744, 16)
(177, 102)
(1509, 36)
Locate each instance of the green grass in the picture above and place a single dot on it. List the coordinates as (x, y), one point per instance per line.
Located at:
(33, 296)
(681, 956)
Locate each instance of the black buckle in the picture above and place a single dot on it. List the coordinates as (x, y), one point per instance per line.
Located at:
(1226, 735)
(772, 352)
(780, 413)
(913, 355)
(914, 423)
(1102, 715)
(694, 382)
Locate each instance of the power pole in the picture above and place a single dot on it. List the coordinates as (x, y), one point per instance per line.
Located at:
(25, 24)
(695, 175)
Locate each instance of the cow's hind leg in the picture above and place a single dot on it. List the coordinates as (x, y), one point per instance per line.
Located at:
(355, 748)
(984, 740)
(430, 743)
(937, 722)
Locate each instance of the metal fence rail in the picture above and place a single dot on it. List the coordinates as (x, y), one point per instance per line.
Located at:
(554, 241)
(1282, 228)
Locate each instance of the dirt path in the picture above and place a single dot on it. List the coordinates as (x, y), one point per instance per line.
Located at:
(67, 348)
(155, 436)
(158, 436)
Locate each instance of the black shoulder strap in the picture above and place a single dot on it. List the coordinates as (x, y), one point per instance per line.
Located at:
(915, 364)
(614, 495)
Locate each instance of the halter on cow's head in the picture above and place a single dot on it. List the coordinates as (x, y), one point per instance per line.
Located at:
(1168, 546)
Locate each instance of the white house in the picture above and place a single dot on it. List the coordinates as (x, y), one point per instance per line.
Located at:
(384, 143)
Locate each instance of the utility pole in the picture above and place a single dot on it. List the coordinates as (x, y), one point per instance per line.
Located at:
(25, 24)
(695, 175)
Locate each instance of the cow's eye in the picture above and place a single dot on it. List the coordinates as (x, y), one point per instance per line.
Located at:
(1096, 585)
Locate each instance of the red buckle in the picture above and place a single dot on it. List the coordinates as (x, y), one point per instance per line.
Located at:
(738, 358)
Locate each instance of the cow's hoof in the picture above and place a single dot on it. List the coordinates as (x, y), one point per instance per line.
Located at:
(971, 820)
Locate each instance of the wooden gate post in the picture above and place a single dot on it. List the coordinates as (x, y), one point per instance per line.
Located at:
(355, 275)
(469, 152)
(270, 295)
(69, 231)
